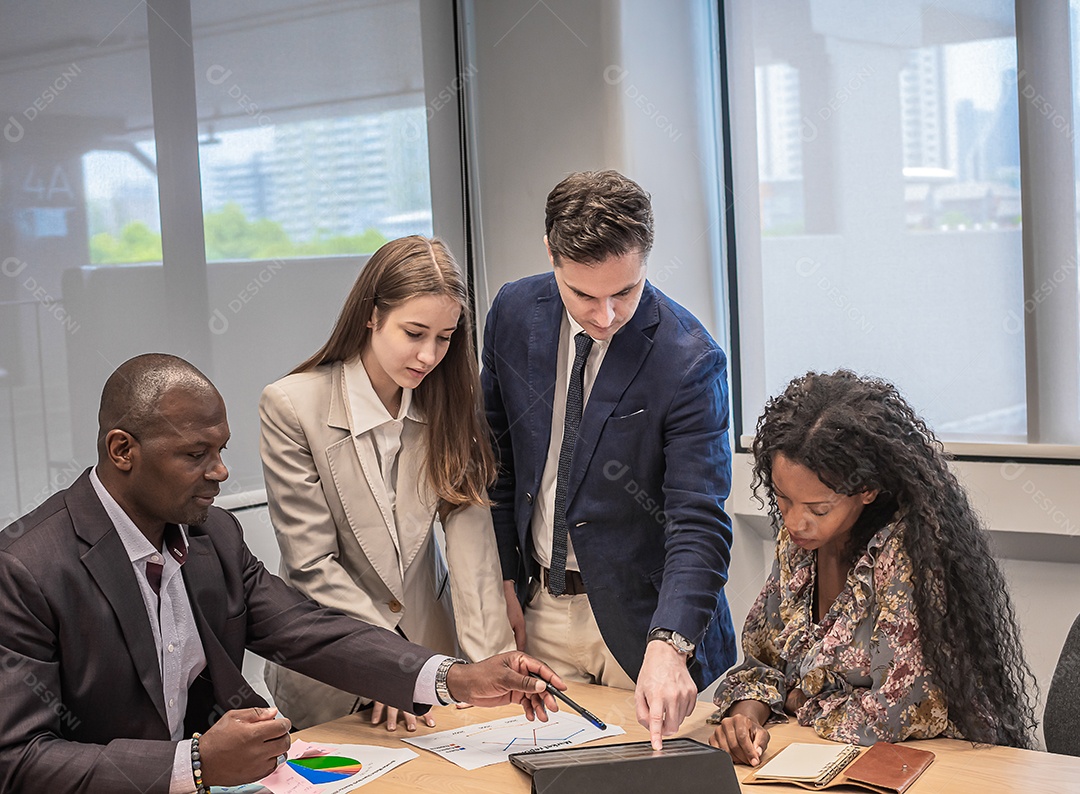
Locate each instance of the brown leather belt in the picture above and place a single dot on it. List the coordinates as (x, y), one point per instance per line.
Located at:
(575, 585)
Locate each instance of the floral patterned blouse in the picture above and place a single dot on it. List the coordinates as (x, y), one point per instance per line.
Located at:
(861, 668)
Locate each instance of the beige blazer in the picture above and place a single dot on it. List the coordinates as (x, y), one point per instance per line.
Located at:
(341, 545)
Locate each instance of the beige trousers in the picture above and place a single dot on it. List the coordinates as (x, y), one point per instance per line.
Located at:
(562, 631)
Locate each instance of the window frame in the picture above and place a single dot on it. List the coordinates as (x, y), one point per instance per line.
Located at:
(1049, 212)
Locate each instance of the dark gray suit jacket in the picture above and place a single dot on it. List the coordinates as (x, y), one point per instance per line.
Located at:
(81, 703)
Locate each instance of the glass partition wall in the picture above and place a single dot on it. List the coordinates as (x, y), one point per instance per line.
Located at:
(202, 179)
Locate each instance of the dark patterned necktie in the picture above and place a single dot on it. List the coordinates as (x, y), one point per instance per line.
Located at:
(575, 400)
(153, 576)
(174, 542)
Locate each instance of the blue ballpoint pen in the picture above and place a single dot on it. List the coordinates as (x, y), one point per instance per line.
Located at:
(584, 712)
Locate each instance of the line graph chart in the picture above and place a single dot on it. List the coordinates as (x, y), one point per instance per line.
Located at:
(474, 746)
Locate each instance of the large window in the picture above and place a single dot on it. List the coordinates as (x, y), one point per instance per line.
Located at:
(882, 213)
(324, 151)
(327, 185)
(69, 91)
(204, 179)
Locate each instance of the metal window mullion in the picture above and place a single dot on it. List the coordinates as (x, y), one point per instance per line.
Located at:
(176, 134)
(443, 79)
(1048, 200)
(469, 126)
(742, 221)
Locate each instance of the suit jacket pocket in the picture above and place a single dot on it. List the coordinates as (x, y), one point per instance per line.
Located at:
(629, 417)
(621, 447)
(657, 578)
(234, 632)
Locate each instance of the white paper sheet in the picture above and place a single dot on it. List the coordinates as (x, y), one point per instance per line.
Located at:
(474, 746)
(325, 769)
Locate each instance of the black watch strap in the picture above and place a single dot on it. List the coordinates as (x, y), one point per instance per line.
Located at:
(674, 639)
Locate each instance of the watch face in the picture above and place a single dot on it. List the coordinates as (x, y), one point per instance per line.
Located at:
(682, 644)
(673, 638)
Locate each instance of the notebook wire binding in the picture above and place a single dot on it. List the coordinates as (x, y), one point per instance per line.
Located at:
(849, 754)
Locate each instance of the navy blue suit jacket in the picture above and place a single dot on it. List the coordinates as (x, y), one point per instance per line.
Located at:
(650, 473)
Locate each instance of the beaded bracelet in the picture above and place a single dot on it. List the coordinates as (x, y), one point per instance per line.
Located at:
(196, 765)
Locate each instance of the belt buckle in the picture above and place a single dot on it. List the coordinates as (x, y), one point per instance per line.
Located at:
(575, 584)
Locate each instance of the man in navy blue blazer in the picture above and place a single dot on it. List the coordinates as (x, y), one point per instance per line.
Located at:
(608, 403)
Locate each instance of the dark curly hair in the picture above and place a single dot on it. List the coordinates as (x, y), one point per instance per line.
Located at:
(859, 434)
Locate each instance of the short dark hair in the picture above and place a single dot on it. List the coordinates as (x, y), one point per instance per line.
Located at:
(592, 215)
(130, 397)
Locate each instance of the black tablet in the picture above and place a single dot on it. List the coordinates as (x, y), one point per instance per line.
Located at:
(631, 766)
(532, 760)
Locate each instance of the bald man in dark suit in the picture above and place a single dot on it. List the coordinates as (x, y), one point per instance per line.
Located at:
(128, 602)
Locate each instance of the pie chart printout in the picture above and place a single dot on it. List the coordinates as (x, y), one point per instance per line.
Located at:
(325, 768)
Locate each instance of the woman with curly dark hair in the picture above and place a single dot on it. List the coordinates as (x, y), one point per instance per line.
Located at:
(885, 617)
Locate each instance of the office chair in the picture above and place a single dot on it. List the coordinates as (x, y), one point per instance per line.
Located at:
(1061, 719)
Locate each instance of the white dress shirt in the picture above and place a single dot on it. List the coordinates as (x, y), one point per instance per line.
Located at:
(543, 518)
(371, 420)
(372, 423)
(176, 637)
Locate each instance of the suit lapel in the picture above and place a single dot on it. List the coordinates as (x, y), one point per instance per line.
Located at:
(351, 460)
(108, 563)
(203, 576)
(543, 358)
(624, 358)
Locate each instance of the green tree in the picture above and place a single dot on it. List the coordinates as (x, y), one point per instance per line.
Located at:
(137, 243)
(230, 235)
(367, 243)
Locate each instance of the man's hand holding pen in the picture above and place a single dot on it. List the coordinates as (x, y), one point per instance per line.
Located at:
(512, 677)
(584, 712)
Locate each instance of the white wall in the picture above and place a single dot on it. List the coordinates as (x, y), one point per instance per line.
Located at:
(564, 86)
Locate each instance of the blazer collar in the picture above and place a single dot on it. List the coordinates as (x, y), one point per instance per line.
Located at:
(354, 405)
(136, 544)
(107, 561)
(541, 361)
(626, 353)
(352, 460)
(366, 410)
(203, 577)
(338, 415)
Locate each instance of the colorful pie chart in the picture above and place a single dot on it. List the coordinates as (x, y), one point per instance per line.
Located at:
(325, 768)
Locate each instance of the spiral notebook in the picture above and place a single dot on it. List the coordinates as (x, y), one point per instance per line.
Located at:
(882, 768)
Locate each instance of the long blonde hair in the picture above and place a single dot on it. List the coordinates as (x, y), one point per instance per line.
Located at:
(460, 462)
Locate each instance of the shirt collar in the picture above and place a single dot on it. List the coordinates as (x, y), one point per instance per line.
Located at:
(576, 328)
(135, 543)
(368, 411)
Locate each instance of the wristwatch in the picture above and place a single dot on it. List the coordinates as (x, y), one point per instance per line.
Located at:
(674, 639)
(442, 691)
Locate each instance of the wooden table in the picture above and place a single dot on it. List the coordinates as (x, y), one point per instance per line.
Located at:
(958, 767)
